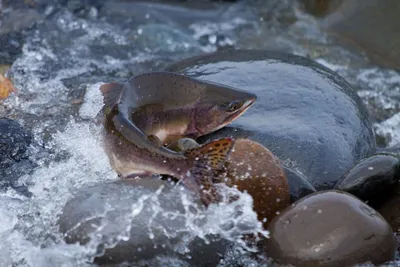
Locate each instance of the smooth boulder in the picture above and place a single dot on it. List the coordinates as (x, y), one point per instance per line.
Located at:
(252, 168)
(305, 114)
(391, 210)
(141, 219)
(330, 228)
(372, 178)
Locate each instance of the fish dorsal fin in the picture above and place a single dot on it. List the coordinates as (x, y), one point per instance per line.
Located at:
(112, 93)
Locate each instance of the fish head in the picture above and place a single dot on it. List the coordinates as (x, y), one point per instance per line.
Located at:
(218, 106)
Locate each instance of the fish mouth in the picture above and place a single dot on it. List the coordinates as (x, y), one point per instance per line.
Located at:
(231, 118)
(245, 107)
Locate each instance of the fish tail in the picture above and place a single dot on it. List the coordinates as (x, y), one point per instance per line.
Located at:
(111, 94)
(206, 161)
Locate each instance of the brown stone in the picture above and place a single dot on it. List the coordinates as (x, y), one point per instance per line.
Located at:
(391, 210)
(369, 25)
(330, 228)
(253, 168)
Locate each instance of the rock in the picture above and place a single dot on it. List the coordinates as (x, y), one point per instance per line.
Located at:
(391, 210)
(254, 169)
(372, 178)
(330, 228)
(298, 186)
(14, 154)
(14, 140)
(305, 114)
(395, 150)
(369, 25)
(149, 209)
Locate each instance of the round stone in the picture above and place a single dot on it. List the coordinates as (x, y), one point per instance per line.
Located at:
(139, 220)
(391, 210)
(305, 114)
(330, 228)
(252, 168)
(372, 178)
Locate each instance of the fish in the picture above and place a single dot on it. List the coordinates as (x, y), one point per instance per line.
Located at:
(169, 106)
(151, 109)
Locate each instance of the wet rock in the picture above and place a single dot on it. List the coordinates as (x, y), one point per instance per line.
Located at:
(14, 154)
(298, 185)
(252, 168)
(372, 178)
(306, 115)
(330, 228)
(14, 140)
(391, 210)
(152, 208)
(395, 150)
(370, 25)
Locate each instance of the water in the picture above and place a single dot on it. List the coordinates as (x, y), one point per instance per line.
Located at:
(66, 58)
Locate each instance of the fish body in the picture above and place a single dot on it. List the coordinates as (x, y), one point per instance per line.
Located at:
(164, 107)
(171, 106)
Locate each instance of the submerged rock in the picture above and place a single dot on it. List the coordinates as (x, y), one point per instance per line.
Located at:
(330, 228)
(139, 220)
(305, 114)
(14, 154)
(372, 178)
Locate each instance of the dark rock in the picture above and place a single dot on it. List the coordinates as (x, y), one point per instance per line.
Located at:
(154, 232)
(298, 186)
(305, 114)
(14, 140)
(369, 25)
(330, 228)
(391, 210)
(14, 154)
(395, 150)
(372, 178)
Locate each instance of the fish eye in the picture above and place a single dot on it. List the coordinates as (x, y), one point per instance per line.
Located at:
(235, 105)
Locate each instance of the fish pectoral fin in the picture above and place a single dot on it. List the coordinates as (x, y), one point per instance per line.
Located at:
(111, 93)
(183, 144)
(207, 160)
(155, 140)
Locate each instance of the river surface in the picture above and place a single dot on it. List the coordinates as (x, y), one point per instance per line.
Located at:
(75, 48)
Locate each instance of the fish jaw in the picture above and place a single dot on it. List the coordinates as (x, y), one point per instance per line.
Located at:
(229, 119)
(245, 107)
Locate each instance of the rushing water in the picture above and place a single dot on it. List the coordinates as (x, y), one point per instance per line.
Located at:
(67, 58)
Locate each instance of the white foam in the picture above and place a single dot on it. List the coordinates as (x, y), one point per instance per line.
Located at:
(391, 128)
